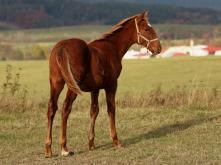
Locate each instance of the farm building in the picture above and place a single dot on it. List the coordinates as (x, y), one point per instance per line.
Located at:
(133, 54)
(176, 51)
(197, 51)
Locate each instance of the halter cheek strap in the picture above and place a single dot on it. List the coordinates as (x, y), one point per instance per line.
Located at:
(139, 35)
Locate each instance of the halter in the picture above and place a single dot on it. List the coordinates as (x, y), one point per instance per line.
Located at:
(139, 35)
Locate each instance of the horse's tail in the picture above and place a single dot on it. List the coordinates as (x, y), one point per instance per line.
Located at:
(64, 65)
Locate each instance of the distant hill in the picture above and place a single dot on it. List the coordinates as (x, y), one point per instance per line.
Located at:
(50, 13)
(213, 4)
(7, 26)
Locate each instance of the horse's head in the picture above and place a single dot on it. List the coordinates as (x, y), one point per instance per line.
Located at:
(145, 34)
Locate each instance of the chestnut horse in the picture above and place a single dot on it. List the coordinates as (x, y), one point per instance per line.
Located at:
(90, 67)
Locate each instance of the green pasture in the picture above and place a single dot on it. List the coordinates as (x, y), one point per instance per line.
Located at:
(150, 134)
(136, 76)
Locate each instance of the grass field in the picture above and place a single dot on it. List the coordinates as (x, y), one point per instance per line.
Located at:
(150, 134)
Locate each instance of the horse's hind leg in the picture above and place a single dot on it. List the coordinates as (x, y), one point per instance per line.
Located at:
(93, 113)
(110, 98)
(70, 97)
(56, 88)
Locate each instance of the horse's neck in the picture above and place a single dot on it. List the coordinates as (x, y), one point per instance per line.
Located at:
(123, 41)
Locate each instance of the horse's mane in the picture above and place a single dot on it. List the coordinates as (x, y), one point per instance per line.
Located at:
(116, 28)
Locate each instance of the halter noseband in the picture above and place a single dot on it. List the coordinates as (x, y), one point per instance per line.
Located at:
(139, 35)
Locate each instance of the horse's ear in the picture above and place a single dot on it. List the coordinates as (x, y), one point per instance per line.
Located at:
(146, 15)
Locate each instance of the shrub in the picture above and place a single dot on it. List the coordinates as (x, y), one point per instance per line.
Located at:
(14, 95)
(38, 53)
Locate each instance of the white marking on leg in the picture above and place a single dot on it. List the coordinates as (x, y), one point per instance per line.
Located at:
(65, 153)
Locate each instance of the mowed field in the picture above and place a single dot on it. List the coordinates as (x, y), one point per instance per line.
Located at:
(150, 134)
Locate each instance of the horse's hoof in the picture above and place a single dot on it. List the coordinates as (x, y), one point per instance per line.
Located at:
(48, 153)
(92, 147)
(67, 153)
(118, 145)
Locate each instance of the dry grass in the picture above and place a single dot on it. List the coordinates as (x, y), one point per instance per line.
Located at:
(181, 97)
(175, 126)
(149, 135)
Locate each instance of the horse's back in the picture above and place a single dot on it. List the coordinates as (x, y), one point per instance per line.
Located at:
(77, 48)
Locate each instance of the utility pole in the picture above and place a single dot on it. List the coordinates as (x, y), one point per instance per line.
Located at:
(191, 46)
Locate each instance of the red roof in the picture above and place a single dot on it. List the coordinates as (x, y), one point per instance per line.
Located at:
(212, 49)
(180, 54)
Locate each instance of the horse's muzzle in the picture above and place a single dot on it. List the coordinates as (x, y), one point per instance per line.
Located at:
(155, 52)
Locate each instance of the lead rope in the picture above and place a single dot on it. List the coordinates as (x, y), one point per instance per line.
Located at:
(142, 36)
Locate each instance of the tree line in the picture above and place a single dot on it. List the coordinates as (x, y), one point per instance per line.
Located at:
(51, 13)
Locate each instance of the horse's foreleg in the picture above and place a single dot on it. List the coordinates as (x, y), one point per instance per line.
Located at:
(110, 98)
(56, 89)
(93, 114)
(70, 97)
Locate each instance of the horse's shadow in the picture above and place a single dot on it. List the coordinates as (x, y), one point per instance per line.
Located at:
(163, 131)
